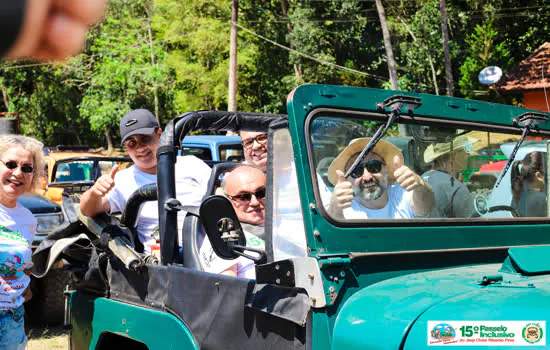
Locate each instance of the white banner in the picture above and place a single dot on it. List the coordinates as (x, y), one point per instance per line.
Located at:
(486, 333)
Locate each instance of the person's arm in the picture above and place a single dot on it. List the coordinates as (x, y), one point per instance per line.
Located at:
(342, 196)
(422, 199)
(46, 30)
(93, 201)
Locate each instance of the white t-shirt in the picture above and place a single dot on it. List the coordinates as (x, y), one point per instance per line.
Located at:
(192, 176)
(245, 267)
(17, 230)
(398, 207)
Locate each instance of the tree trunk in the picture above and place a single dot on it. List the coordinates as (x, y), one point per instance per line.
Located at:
(430, 60)
(284, 8)
(445, 37)
(233, 66)
(387, 44)
(110, 148)
(6, 98)
(153, 62)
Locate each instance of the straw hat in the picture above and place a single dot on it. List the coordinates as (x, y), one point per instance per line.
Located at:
(384, 149)
(438, 149)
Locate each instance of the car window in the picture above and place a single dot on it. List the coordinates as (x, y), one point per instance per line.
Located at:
(199, 152)
(231, 152)
(74, 171)
(461, 167)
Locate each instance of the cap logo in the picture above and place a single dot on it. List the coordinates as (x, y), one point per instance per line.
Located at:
(131, 122)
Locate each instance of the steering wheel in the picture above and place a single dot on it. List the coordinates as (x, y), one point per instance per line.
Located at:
(508, 208)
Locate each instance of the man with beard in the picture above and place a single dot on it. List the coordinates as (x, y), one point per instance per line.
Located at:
(255, 149)
(140, 134)
(370, 192)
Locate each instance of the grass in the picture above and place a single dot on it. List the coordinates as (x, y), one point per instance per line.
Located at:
(48, 338)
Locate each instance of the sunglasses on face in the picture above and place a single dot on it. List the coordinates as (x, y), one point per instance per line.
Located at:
(246, 197)
(261, 139)
(373, 166)
(12, 165)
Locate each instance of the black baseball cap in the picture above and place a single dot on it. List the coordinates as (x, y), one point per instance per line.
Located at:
(137, 122)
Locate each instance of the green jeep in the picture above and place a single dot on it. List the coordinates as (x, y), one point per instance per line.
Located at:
(328, 283)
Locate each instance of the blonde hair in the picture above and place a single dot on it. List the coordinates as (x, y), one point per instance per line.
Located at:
(30, 144)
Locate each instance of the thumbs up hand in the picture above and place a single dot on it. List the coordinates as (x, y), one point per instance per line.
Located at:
(406, 178)
(341, 197)
(105, 183)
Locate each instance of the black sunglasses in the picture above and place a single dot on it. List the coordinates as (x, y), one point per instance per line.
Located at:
(12, 164)
(373, 166)
(245, 197)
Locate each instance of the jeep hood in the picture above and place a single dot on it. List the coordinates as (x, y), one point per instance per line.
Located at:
(394, 314)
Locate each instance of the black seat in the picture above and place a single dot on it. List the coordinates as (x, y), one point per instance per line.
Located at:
(193, 233)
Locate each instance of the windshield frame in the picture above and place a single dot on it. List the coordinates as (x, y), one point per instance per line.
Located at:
(360, 235)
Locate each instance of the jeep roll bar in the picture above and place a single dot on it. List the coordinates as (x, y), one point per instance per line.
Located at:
(170, 142)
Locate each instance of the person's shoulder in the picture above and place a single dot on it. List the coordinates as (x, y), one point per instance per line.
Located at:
(124, 173)
(25, 212)
(191, 164)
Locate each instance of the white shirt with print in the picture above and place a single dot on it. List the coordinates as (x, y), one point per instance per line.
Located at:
(192, 176)
(17, 230)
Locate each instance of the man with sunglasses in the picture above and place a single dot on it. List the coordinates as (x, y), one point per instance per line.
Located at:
(255, 149)
(245, 188)
(369, 191)
(140, 134)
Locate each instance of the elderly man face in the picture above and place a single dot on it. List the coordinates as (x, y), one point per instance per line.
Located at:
(245, 187)
(370, 178)
(255, 148)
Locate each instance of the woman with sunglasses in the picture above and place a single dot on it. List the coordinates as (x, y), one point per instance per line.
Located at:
(452, 197)
(21, 160)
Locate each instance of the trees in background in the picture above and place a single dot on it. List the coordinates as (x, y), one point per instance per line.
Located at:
(171, 56)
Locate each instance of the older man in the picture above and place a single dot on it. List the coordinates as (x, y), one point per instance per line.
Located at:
(255, 149)
(369, 192)
(245, 188)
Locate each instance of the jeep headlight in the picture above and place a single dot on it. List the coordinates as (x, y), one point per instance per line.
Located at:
(46, 223)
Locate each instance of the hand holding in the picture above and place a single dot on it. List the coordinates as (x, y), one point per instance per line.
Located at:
(405, 177)
(105, 183)
(342, 195)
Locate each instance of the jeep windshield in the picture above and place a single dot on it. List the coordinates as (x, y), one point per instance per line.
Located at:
(429, 153)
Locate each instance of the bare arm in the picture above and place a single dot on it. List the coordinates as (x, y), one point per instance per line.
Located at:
(423, 198)
(93, 201)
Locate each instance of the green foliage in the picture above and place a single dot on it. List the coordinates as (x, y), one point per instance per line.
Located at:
(484, 51)
(173, 55)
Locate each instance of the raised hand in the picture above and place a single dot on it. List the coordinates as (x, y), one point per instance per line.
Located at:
(105, 183)
(342, 196)
(55, 29)
(405, 177)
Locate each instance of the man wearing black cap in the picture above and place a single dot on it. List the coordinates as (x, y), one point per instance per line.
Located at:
(140, 134)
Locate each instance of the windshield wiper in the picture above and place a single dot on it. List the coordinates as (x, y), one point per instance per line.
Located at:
(396, 102)
(527, 121)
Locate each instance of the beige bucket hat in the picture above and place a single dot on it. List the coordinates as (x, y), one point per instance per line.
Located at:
(438, 149)
(384, 149)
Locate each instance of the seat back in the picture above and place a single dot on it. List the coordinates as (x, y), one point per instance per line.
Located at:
(193, 233)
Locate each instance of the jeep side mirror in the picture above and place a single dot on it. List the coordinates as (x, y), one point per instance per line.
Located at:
(224, 230)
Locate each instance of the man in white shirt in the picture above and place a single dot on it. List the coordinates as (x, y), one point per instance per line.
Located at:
(245, 188)
(370, 192)
(140, 134)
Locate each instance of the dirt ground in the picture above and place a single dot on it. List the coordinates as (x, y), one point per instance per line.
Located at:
(48, 338)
